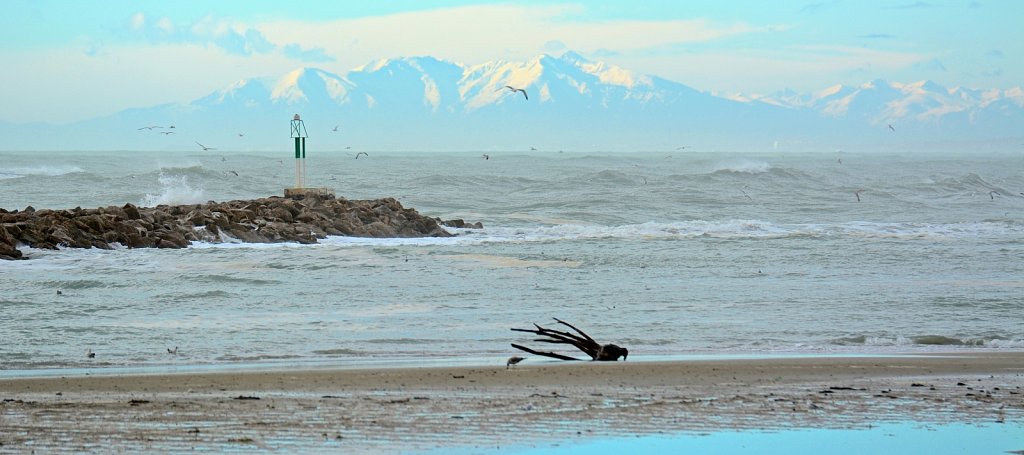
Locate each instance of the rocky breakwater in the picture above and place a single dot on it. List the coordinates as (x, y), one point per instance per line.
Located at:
(267, 220)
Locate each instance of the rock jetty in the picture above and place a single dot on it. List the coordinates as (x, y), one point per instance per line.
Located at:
(267, 220)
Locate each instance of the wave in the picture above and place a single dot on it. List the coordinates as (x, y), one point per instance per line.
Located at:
(43, 170)
(929, 340)
(175, 190)
(682, 230)
(743, 167)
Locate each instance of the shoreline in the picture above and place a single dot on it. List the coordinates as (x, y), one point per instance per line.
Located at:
(421, 408)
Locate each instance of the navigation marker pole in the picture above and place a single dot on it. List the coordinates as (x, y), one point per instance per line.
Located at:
(299, 133)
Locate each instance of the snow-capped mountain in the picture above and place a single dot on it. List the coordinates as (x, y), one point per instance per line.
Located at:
(570, 103)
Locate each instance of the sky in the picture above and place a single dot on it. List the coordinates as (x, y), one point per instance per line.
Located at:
(67, 60)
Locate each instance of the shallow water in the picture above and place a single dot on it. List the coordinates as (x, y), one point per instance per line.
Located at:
(668, 255)
(886, 438)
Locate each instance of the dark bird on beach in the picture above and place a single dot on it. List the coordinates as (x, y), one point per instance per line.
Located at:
(513, 361)
(59, 293)
(173, 351)
(90, 354)
(363, 154)
(205, 148)
(513, 89)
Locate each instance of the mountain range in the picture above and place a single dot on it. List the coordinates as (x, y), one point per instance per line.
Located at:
(566, 103)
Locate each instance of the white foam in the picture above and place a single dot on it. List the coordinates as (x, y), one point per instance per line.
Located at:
(744, 167)
(176, 190)
(44, 170)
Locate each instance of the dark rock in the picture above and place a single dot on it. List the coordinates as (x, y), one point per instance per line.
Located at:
(273, 219)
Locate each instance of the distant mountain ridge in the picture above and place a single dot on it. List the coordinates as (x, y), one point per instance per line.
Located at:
(424, 103)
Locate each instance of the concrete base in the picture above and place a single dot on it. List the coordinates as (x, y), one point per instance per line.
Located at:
(308, 192)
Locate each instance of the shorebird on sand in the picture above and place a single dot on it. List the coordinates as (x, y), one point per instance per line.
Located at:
(513, 361)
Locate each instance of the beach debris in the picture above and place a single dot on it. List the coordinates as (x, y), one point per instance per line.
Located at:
(582, 341)
(247, 397)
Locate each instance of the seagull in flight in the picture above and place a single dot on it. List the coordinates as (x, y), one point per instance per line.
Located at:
(486, 156)
(166, 132)
(892, 127)
(362, 153)
(335, 128)
(151, 127)
(205, 148)
(513, 89)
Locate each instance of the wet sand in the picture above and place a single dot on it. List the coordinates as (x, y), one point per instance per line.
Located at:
(484, 408)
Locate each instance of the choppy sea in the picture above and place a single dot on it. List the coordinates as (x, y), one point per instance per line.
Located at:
(665, 253)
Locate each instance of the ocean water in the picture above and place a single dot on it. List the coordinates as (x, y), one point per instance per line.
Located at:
(665, 253)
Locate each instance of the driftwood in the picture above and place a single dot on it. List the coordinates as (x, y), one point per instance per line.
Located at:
(582, 341)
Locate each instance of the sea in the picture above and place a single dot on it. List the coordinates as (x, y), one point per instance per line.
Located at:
(672, 254)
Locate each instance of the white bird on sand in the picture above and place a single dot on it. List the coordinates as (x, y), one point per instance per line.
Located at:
(205, 148)
(513, 89)
(512, 361)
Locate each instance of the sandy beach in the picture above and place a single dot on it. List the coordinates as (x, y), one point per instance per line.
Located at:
(486, 408)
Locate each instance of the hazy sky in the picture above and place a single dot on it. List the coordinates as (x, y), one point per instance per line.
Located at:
(66, 60)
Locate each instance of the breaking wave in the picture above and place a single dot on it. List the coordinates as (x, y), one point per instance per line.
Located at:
(175, 190)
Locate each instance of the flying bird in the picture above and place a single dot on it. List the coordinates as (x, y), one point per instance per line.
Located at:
(166, 132)
(857, 193)
(486, 156)
(362, 153)
(335, 128)
(205, 148)
(992, 194)
(513, 89)
(891, 127)
(173, 351)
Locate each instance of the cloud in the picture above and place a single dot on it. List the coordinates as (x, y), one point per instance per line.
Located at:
(296, 52)
(479, 33)
(930, 65)
(137, 21)
(555, 46)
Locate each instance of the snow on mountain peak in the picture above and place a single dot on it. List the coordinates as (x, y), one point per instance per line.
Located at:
(305, 84)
